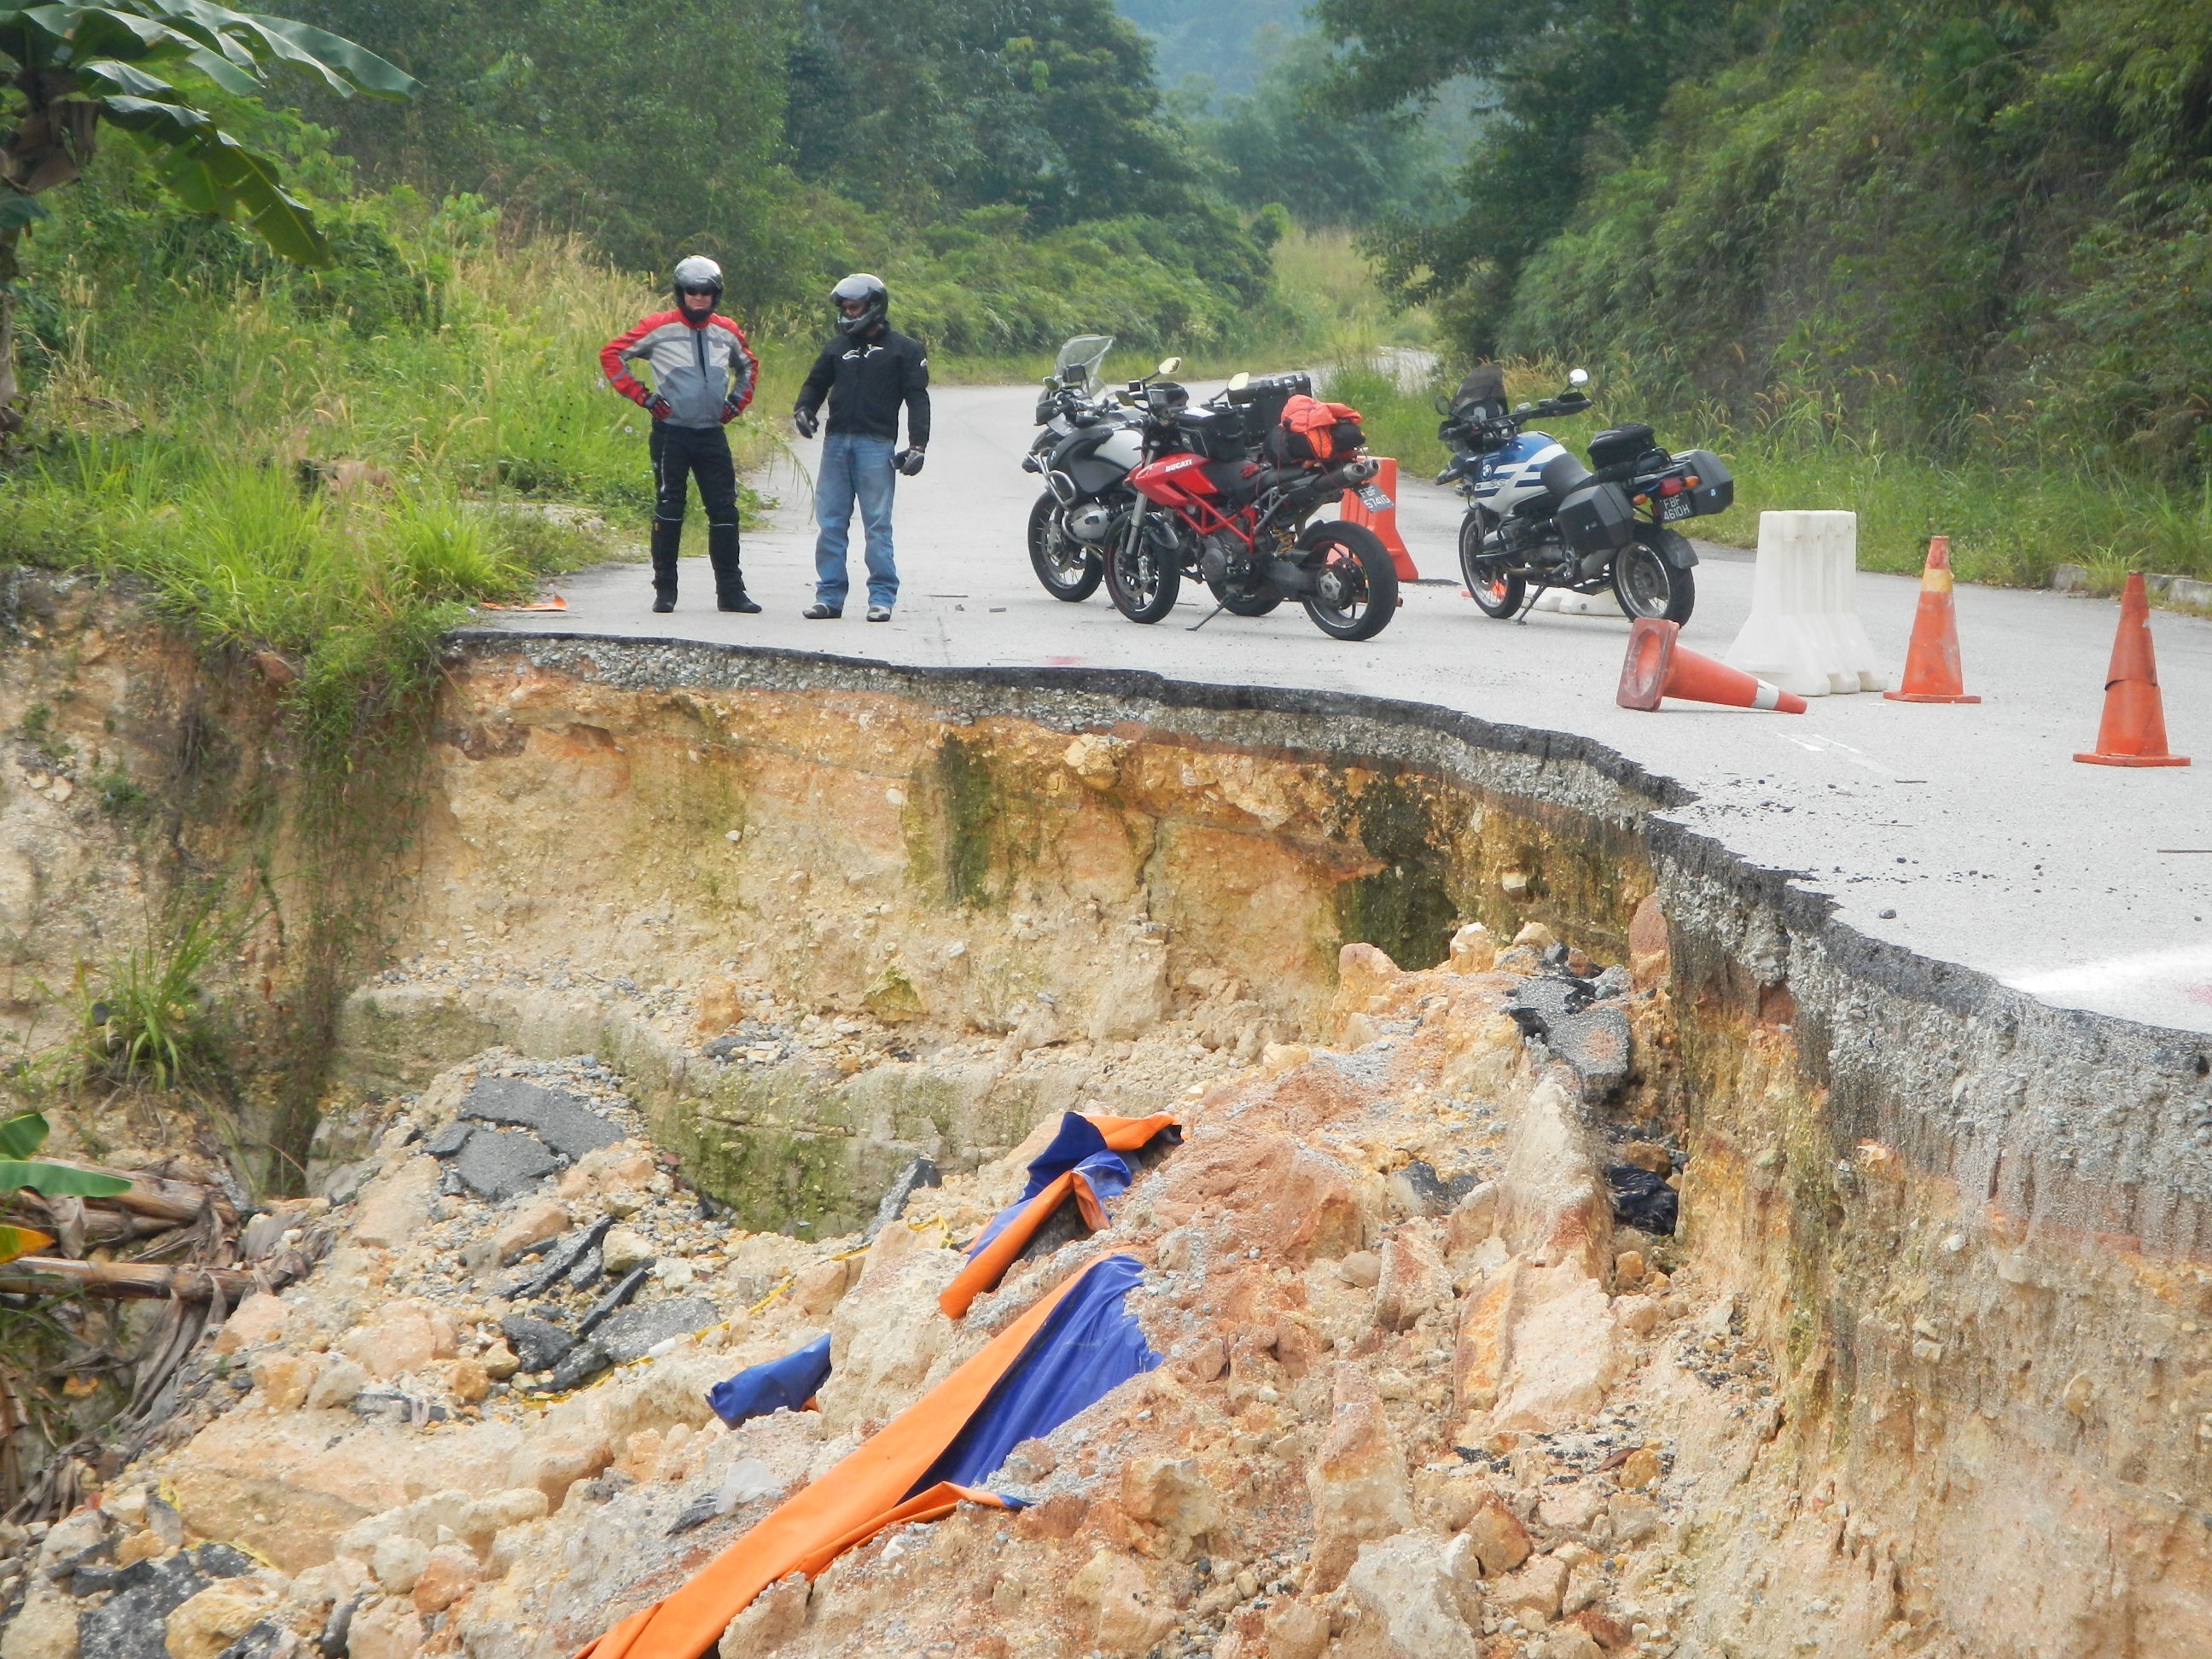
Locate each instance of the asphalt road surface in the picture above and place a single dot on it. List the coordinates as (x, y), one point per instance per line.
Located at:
(1965, 832)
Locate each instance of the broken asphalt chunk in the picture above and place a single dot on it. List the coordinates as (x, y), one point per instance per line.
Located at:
(922, 1172)
(560, 1259)
(497, 1163)
(626, 1287)
(635, 1331)
(559, 1118)
(540, 1345)
(1640, 1198)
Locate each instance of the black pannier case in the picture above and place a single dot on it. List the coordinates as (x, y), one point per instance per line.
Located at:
(1716, 490)
(1597, 519)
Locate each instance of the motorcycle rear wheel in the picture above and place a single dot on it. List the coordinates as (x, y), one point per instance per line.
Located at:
(1647, 583)
(1070, 571)
(1490, 584)
(1143, 583)
(1358, 585)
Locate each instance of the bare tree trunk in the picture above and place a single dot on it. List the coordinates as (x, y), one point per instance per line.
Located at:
(11, 417)
(186, 1284)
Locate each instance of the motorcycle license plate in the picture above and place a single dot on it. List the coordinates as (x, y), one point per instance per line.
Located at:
(1672, 507)
(1374, 498)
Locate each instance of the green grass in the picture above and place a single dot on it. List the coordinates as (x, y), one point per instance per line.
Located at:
(2011, 519)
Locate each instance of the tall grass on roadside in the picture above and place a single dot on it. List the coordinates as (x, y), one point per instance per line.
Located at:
(2010, 519)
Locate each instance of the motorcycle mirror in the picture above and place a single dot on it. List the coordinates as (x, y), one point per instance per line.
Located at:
(1239, 380)
(1168, 365)
(1578, 377)
(1443, 404)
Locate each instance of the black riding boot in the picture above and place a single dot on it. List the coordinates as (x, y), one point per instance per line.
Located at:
(666, 539)
(729, 578)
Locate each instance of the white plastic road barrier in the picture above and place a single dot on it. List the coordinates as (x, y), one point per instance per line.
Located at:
(1566, 602)
(1804, 632)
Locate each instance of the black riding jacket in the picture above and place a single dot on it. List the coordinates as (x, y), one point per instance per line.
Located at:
(867, 380)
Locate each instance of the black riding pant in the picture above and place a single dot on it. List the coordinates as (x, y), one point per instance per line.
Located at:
(681, 453)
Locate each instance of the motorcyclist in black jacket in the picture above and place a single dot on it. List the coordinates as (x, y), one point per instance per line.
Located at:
(867, 372)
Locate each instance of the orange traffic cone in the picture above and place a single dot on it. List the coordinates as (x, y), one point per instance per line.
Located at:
(1384, 523)
(2133, 731)
(1932, 660)
(1657, 667)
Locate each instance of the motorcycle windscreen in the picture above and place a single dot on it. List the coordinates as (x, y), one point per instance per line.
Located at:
(1086, 352)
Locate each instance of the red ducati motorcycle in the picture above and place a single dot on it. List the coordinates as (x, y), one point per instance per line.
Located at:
(1226, 495)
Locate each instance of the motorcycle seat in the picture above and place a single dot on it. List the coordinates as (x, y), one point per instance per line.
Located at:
(1562, 474)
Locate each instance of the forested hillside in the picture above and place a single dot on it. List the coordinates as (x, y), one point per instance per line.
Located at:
(1980, 227)
(1007, 164)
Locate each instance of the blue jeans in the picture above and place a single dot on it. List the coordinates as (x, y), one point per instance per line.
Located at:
(854, 467)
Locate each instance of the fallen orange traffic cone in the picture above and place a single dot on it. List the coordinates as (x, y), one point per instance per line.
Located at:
(2133, 731)
(1383, 523)
(1657, 667)
(1932, 660)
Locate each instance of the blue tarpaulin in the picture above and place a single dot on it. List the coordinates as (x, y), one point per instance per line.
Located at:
(1088, 1346)
(784, 1384)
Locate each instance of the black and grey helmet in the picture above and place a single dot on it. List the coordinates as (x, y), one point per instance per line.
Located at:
(697, 275)
(861, 286)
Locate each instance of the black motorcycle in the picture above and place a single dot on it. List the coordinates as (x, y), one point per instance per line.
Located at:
(1088, 442)
(1537, 518)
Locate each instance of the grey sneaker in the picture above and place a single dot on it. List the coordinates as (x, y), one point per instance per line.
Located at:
(820, 612)
(880, 613)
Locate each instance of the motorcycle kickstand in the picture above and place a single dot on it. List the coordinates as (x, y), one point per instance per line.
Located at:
(1206, 618)
(1529, 604)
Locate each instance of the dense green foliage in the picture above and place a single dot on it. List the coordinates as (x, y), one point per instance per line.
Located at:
(1981, 227)
(1007, 165)
(1294, 140)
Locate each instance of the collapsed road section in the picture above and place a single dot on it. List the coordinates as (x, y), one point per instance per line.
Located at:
(1570, 1241)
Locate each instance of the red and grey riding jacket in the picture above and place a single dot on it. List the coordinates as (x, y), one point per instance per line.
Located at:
(698, 367)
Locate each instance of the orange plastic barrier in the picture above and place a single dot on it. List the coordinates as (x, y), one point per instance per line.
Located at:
(988, 1266)
(1384, 523)
(2133, 731)
(1657, 667)
(1932, 660)
(862, 1495)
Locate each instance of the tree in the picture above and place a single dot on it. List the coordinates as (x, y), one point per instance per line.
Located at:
(75, 66)
(1578, 82)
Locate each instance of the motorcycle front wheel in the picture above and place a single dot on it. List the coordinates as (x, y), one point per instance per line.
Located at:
(1489, 583)
(1356, 586)
(1069, 570)
(1144, 581)
(1647, 583)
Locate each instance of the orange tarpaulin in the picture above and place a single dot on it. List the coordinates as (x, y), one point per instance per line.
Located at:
(988, 1265)
(865, 1493)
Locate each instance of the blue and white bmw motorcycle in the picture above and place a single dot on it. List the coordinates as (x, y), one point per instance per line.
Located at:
(1537, 518)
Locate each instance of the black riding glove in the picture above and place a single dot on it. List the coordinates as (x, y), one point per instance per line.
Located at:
(908, 461)
(804, 420)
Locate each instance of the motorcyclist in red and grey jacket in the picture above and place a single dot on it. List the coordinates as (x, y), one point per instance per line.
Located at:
(703, 376)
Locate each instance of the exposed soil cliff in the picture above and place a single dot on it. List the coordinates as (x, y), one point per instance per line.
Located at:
(1925, 1369)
